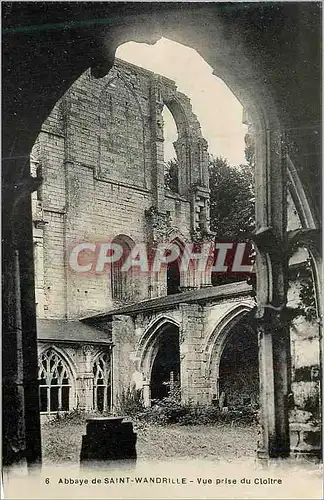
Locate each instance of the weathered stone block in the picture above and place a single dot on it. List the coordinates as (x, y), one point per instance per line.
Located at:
(108, 439)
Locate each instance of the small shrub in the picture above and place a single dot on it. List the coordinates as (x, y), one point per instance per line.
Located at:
(129, 402)
(197, 414)
(163, 412)
(75, 416)
(167, 411)
(170, 410)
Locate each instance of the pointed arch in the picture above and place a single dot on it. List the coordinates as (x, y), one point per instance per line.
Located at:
(121, 282)
(120, 141)
(102, 381)
(174, 234)
(173, 273)
(214, 343)
(176, 279)
(146, 349)
(179, 115)
(64, 355)
(56, 382)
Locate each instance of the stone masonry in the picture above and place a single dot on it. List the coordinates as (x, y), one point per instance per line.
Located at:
(100, 154)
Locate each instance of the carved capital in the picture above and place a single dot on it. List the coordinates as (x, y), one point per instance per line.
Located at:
(268, 242)
(308, 238)
(88, 350)
(275, 317)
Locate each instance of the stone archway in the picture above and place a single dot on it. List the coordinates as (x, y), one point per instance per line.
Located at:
(216, 342)
(158, 353)
(247, 34)
(165, 372)
(238, 370)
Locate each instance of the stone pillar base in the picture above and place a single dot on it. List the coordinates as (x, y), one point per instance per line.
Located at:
(305, 441)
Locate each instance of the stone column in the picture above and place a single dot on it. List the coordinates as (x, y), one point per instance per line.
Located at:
(21, 433)
(146, 394)
(183, 151)
(157, 226)
(72, 199)
(85, 379)
(194, 385)
(157, 143)
(123, 366)
(272, 281)
(14, 444)
(29, 331)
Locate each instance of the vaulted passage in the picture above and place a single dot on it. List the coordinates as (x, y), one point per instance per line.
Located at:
(238, 370)
(165, 373)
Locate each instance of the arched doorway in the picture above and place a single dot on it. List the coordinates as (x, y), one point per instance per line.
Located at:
(238, 383)
(165, 373)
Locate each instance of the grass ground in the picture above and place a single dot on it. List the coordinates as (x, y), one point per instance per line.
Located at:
(62, 441)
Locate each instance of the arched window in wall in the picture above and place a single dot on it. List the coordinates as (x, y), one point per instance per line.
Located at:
(102, 383)
(122, 134)
(121, 281)
(171, 164)
(173, 278)
(173, 272)
(54, 383)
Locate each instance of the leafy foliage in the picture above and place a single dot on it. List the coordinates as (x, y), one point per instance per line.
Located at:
(171, 177)
(231, 200)
(250, 155)
(129, 402)
(307, 301)
(232, 213)
(170, 410)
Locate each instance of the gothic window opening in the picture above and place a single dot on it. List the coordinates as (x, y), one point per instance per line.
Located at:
(173, 278)
(102, 383)
(121, 281)
(171, 165)
(54, 383)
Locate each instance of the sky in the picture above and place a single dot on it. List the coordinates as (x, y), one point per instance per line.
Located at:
(217, 109)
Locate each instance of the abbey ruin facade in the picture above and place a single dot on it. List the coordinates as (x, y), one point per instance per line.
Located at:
(100, 154)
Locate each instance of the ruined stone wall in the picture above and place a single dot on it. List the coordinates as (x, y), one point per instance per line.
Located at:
(100, 153)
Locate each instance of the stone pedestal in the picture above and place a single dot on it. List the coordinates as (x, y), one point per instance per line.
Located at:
(108, 439)
(305, 439)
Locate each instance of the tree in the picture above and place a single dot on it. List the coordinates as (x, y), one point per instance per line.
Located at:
(231, 200)
(232, 215)
(171, 179)
(307, 300)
